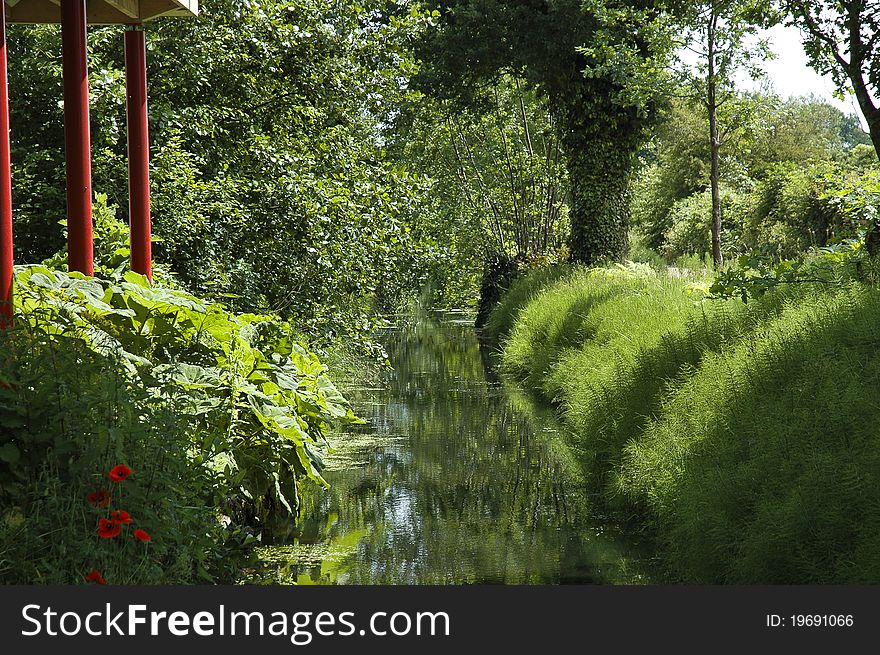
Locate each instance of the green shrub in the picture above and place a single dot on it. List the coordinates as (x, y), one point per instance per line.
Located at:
(67, 421)
(218, 415)
(796, 208)
(690, 220)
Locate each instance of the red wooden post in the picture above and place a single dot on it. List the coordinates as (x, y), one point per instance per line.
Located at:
(77, 137)
(5, 184)
(138, 150)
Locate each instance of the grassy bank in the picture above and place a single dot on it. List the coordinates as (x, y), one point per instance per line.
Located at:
(746, 435)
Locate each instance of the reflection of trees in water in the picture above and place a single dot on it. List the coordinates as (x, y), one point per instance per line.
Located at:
(472, 494)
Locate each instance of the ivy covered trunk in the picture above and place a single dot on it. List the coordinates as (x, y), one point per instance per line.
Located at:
(599, 178)
(600, 141)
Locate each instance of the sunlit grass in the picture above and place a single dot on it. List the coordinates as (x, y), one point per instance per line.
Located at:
(748, 436)
(521, 292)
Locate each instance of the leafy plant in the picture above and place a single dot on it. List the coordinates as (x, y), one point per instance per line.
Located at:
(259, 402)
(222, 416)
(840, 264)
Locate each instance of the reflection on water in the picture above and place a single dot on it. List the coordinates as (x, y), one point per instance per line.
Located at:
(455, 479)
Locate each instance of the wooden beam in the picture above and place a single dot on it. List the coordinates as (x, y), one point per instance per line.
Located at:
(48, 11)
(155, 8)
(127, 7)
(33, 12)
(100, 12)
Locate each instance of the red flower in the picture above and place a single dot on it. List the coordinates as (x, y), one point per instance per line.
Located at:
(119, 473)
(95, 576)
(100, 498)
(120, 516)
(142, 535)
(108, 529)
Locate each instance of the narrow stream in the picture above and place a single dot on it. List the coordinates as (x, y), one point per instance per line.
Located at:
(457, 478)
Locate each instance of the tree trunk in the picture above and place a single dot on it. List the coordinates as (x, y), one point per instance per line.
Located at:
(870, 110)
(861, 63)
(599, 203)
(715, 148)
(715, 183)
(600, 158)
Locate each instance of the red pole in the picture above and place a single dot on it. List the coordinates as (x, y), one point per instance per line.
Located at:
(138, 150)
(76, 136)
(5, 185)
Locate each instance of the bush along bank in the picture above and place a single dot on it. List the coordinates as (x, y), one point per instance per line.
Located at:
(147, 434)
(745, 434)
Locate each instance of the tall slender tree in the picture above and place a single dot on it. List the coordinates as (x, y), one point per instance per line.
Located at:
(722, 42)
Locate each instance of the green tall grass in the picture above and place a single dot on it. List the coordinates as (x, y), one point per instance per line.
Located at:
(747, 436)
(521, 292)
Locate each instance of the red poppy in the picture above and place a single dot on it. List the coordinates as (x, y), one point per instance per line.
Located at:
(95, 576)
(100, 498)
(142, 535)
(119, 473)
(120, 516)
(108, 529)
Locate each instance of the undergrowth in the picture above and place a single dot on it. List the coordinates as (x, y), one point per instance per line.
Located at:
(219, 416)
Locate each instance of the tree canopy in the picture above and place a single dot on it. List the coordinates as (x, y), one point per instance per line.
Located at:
(842, 39)
(473, 43)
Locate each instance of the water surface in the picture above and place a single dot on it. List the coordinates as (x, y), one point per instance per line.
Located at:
(456, 478)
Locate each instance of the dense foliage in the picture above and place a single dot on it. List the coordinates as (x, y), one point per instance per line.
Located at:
(499, 190)
(599, 121)
(221, 417)
(267, 120)
(796, 174)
